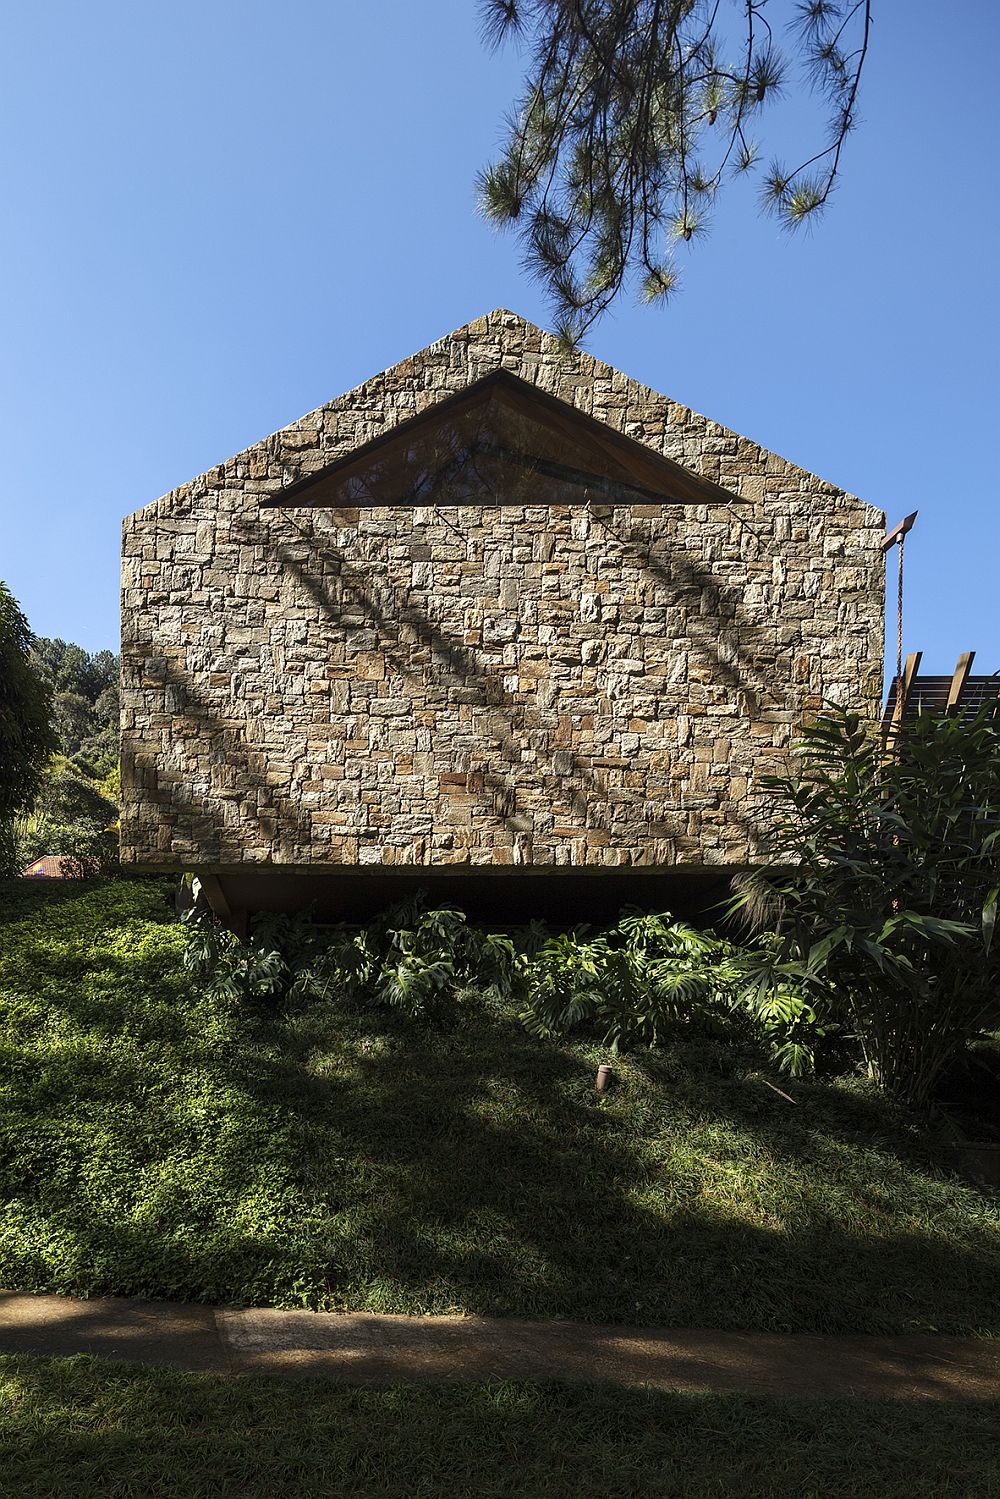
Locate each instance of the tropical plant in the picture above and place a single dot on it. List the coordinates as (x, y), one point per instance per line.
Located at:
(638, 983)
(633, 115)
(231, 969)
(883, 884)
(775, 1000)
(411, 958)
(645, 979)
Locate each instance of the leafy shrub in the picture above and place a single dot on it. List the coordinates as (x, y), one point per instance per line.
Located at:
(229, 968)
(411, 958)
(645, 978)
(883, 883)
(635, 984)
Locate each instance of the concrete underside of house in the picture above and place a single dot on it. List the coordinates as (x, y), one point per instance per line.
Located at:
(560, 896)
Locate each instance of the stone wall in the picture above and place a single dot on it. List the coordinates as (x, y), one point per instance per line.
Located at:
(487, 686)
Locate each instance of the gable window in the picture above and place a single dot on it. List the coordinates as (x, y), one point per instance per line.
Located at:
(501, 442)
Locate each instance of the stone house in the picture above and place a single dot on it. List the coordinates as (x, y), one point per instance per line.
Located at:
(500, 621)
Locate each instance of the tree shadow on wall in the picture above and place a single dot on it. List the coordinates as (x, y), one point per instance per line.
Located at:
(336, 586)
(244, 775)
(718, 630)
(457, 666)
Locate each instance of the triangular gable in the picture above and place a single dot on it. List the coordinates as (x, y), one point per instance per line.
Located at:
(282, 469)
(501, 441)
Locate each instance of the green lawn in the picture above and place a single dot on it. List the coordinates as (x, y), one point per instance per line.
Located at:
(77, 1427)
(156, 1143)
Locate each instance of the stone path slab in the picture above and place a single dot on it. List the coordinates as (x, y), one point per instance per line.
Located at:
(142, 1332)
(364, 1348)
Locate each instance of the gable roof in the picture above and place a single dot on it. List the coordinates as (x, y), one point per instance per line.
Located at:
(673, 448)
(50, 867)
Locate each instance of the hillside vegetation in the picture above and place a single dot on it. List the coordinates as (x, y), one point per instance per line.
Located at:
(156, 1142)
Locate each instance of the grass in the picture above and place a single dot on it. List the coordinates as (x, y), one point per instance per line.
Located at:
(156, 1143)
(79, 1427)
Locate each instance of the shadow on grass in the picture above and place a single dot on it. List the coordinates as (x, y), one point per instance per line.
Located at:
(79, 1428)
(486, 1176)
(157, 1145)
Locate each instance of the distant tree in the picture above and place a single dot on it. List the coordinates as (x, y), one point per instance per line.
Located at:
(634, 114)
(26, 734)
(75, 810)
(85, 703)
(73, 718)
(74, 816)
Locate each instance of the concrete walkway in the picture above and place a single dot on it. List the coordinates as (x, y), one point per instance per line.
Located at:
(362, 1348)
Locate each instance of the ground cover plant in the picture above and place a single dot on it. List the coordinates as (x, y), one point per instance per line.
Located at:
(78, 1427)
(158, 1141)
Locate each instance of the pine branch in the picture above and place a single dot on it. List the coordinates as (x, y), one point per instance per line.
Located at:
(615, 149)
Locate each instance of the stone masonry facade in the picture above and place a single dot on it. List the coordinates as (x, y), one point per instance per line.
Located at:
(483, 686)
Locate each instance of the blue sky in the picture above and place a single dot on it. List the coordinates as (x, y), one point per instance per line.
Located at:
(219, 215)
